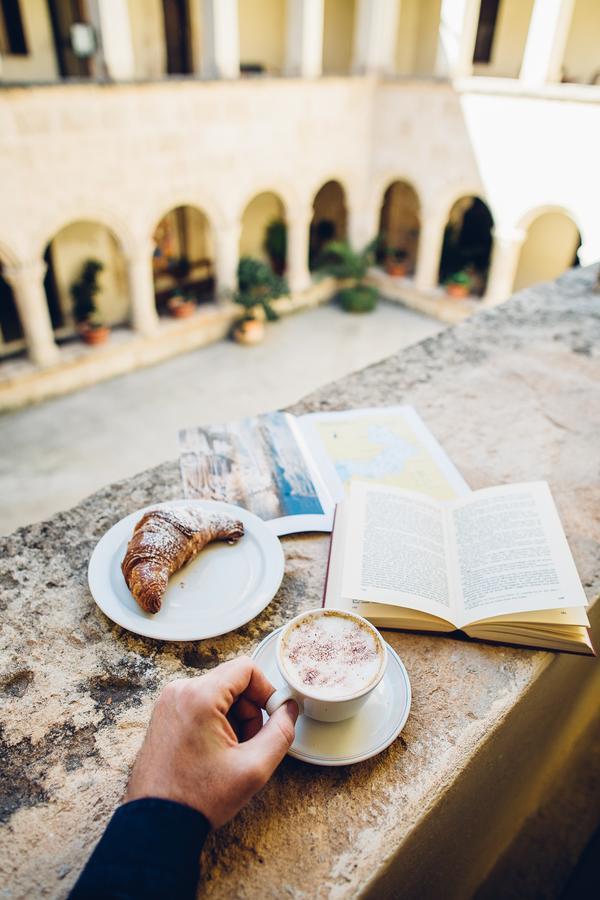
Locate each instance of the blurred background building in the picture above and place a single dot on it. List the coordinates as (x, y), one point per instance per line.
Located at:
(165, 138)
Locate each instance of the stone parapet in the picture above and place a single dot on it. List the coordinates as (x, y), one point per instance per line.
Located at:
(512, 396)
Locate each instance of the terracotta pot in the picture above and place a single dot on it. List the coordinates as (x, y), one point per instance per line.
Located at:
(457, 290)
(396, 269)
(182, 310)
(94, 336)
(249, 331)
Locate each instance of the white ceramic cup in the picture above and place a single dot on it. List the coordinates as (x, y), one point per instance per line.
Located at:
(311, 704)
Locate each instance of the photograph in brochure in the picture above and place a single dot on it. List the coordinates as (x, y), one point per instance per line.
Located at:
(292, 470)
(494, 564)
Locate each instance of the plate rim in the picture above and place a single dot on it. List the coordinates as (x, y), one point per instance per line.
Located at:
(331, 761)
(95, 565)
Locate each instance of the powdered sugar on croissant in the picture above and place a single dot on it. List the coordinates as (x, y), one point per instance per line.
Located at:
(163, 541)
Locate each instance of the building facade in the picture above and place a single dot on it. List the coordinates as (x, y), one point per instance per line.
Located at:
(162, 138)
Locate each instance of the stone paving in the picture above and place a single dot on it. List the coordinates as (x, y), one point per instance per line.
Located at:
(55, 454)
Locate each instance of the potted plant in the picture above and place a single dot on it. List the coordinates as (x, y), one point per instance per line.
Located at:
(341, 261)
(459, 284)
(257, 286)
(396, 262)
(84, 292)
(181, 304)
(275, 245)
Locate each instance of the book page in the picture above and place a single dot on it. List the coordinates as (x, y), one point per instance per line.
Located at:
(386, 445)
(381, 614)
(260, 463)
(511, 554)
(395, 550)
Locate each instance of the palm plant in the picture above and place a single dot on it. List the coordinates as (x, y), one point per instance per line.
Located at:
(257, 286)
(341, 261)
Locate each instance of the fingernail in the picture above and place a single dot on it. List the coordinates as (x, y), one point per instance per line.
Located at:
(292, 709)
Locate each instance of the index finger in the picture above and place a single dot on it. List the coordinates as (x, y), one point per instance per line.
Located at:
(241, 676)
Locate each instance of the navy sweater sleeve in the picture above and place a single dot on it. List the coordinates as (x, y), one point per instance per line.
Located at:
(150, 849)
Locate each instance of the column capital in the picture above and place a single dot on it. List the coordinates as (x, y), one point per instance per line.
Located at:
(228, 225)
(33, 270)
(140, 252)
(509, 235)
(302, 214)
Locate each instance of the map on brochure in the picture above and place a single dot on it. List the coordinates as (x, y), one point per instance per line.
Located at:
(387, 445)
(291, 471)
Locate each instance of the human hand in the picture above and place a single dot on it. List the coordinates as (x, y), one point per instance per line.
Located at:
(206, 745)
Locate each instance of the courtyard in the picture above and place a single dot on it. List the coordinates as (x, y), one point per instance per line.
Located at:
(55, 454)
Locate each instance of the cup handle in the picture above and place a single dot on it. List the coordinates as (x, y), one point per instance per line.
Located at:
(279, 698)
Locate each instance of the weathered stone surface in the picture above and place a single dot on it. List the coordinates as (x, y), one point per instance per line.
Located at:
(512, 394)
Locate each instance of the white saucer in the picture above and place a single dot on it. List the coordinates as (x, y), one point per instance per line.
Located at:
(224, 587)
(370, 731)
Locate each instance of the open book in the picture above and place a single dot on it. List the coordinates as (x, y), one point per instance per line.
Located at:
(495, 564)
(292, 470)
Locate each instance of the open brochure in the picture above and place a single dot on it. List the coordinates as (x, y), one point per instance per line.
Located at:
(293, 470)
(495, 564)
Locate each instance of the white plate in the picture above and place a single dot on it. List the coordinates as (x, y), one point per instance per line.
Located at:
(370, 731)
(224, 587)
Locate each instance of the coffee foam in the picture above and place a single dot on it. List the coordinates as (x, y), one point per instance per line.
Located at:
(331, 655)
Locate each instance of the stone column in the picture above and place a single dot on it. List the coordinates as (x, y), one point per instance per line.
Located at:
(304, 53)
(546, 41)
(116, 39)
(227, 241)
(456, 38)
(503, 267)
(298, 229)
(428, 256)
(144, 317)
(27, 282)
(220, 39)
(375, 31)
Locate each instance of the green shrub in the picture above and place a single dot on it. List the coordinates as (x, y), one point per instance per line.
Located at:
(257, 285)
(85, 290)
(275, 244)
(359, 299)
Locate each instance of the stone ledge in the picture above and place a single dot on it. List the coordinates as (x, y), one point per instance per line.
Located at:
(512, 395)
(435, 303)
(21, 382)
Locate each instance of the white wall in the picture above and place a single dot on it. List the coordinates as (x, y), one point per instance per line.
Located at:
(40, 62)
(95, 152)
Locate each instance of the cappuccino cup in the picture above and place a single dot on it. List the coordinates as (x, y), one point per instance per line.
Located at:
(331, 661)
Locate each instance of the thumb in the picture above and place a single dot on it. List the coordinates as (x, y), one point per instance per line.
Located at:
(274, 739)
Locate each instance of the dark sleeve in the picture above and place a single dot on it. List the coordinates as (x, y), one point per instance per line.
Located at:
(150, 849)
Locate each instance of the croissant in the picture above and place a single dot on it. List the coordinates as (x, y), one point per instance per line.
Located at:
(163, 541)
